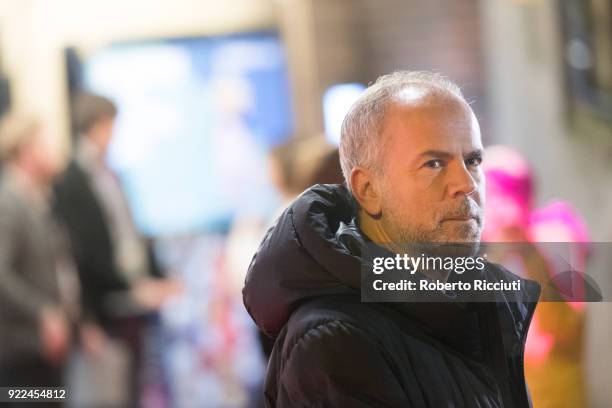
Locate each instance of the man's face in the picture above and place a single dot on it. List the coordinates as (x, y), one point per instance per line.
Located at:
(42, 157)
(431, 184)
(102, 132)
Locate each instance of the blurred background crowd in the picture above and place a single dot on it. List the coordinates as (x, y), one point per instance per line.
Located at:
(146, 146)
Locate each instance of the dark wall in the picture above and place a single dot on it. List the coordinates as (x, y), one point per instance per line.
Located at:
(359, 40)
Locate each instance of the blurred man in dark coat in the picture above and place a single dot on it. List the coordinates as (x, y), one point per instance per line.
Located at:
(113, 259)
(120, 280)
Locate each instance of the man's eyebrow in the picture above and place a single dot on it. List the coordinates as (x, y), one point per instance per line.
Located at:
(438, 154)
(475, 153)
(441, 154)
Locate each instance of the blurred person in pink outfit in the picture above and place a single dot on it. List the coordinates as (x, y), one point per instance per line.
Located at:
(554, 348)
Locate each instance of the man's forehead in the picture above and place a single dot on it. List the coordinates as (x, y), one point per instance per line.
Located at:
(430, 112)
(422, 101)
(433, 123)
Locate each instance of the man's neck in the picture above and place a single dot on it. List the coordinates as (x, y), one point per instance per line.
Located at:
(373, 228)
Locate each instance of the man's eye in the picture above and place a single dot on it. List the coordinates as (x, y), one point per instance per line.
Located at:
(474, 161)
(434, 164)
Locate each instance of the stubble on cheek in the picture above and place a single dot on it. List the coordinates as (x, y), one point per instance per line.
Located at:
(406, 228)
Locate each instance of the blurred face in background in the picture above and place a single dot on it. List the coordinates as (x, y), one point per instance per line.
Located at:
(101, 132)
(431, 183)
(39, 156)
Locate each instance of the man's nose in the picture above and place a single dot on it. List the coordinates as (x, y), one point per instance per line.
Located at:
(462, 181)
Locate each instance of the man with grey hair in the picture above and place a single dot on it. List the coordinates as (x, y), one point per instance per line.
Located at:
(410, 152)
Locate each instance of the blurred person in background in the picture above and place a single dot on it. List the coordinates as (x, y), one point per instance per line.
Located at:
(300, 163)
(121, 282)
(293, 166)
(328, 171)
(35, 313)
(111, 255)
(554, 366)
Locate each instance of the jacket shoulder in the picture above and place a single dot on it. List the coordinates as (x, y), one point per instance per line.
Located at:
(13, 206)
(332, 319)
(8, 198)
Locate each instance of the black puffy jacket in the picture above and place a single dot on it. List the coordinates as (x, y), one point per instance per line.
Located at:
(332, 350)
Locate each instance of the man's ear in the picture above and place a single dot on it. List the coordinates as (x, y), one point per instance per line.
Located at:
(366, 190)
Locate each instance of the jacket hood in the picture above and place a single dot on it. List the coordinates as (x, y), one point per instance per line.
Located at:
(314, 249)
(310, 251)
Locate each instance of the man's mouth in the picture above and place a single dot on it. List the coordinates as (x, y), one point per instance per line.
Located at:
(463, 218)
